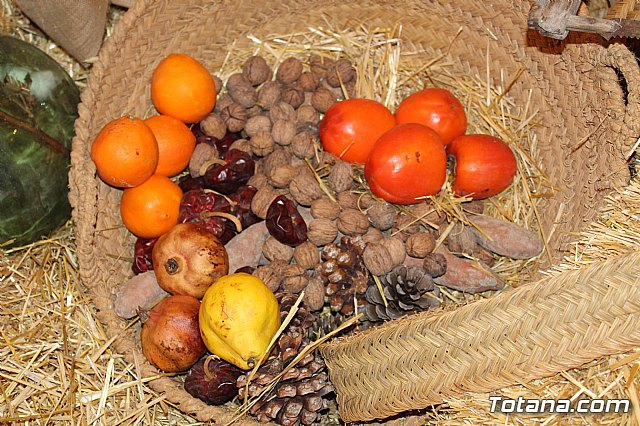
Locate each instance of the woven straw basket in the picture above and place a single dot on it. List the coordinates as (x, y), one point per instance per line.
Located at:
(587, 93)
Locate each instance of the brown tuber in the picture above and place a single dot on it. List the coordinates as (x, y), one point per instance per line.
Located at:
(139, 293)
(170, 334)
(467, 275)
(188, 259)
(506, 238)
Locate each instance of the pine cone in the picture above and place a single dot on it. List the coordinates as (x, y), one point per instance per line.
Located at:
(407, 289)
(345, 275)
(299, 396)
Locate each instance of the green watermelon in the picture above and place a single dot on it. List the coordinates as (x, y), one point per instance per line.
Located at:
(38, 107)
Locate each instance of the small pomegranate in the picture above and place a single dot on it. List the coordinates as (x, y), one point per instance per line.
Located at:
(171, 334)
(188, 259)
(213, 380)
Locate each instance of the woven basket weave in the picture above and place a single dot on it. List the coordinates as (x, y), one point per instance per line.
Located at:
(530, 332)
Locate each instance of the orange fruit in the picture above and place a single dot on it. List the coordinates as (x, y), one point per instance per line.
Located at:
(151, 209)
(350, 128)
(125, 152)
(176, 143)
(183, 88)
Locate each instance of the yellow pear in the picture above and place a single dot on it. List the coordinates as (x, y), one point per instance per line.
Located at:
(239, 316)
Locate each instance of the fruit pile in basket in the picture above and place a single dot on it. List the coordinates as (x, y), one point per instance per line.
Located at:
(279, 190)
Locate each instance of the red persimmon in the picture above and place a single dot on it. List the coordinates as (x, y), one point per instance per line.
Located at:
(349, 128)
(436, 108)
(484, 165)
(406, 164)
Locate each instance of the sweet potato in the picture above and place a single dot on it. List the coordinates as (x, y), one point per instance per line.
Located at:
(506, 238)
(467, 275)
(140, 292)
(245, 249)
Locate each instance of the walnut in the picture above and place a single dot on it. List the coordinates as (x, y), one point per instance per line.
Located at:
(202, 154)
(283, 131)
(274, 249)
(278, 158)
(350, 89)
(341, 176)
(262, 200)
(256, 71)
(241, 90)
(303, 144)
(382, 216)
(254, 111)
(348, 200)
(307, 255)
(435, 264)
(396, 249)
(241, 145)
(405, 225)
(377, 259)
(461, 240)
(305, 188)
(262, 144)
(307, 115)
(282, 111)
(289, 70)
(308, 81)
(257, 124)
(325, 208)
(217, 83)
(420, 244)
(322, 99)
(373, 235)
(213, 125)
(222, 102)
(282, 176)
(269, 276)
(258, 180)
(337, 92)
(320, 65)
(314, 294)
(366, 201)
(341, 71)
(353, 222)
(293, 95)
(322, 231)
(234, 116)
(294, 278)
(428, 214)
(269, 94)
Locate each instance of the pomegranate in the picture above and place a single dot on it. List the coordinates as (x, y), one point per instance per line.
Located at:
(188, 259)
(171, 334)
(212, 380)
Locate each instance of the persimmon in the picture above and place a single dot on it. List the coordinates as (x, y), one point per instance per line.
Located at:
(406, 164)
(151, 209)
(436, 108)
(125, 152)
(176, 143)
(183, 88)
(349, 128)
(484, 165)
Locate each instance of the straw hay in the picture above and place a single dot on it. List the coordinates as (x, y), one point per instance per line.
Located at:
(58, 367)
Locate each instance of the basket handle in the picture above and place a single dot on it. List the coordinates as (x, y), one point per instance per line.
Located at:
(618, 57)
